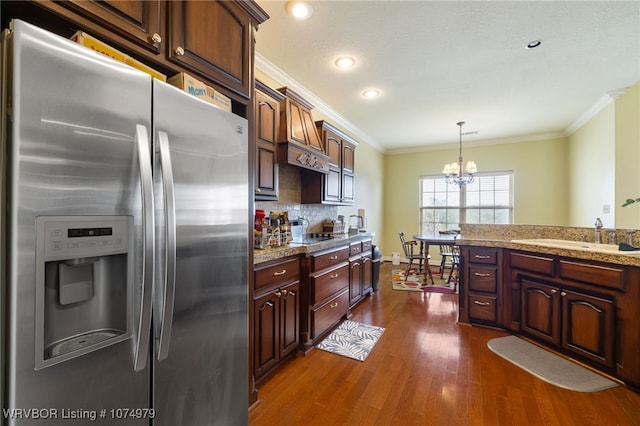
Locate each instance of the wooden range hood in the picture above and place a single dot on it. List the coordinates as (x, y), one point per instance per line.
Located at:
(298, 141)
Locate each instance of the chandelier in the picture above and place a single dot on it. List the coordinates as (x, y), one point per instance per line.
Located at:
(453, 171)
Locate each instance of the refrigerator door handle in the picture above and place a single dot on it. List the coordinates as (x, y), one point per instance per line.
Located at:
(148, 236)
(170, 254)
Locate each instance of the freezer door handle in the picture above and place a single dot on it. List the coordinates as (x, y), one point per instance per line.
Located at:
(148, 242)
(170, 253)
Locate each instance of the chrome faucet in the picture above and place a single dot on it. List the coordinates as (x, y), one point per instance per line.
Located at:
(598, 226)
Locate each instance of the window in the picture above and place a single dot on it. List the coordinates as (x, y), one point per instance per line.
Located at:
(488, 200)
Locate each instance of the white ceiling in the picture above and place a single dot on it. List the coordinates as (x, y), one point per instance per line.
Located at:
(440, 62)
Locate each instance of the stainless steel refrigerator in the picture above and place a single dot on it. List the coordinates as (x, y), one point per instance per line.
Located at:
(124, 244)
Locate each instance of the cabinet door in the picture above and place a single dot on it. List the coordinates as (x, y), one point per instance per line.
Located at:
(289, 318)
(348, 157)
(589, 326)
(138, 20)
(332, 186)
(348, 172)
(355, 281)
(541, 311)
(213, 39)
(334, 149)
(348, 188)
(267, 117)
(367, 283)
(266, 333)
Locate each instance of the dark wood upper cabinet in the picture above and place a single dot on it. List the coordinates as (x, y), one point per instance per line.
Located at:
(267, 122)
(212, 39)
(138, 21)
(336, 187)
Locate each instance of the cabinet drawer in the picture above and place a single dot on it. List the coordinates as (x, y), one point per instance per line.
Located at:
(482, 279)
(328, 283)
(606, 276)
(281, 272)
(355, 248)
(329, 313)
(366, 246)
(483, 255)
(329, 259)
(483, 308)
(527, 262)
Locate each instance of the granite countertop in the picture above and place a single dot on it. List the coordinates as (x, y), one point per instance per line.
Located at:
(504, 236)
(265, 255)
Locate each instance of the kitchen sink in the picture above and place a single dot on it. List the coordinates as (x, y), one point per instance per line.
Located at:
(577, 245)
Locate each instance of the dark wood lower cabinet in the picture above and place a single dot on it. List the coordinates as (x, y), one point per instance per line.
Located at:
(585, 309)
(276, 316)
(541, 311)
(579, 323)
(355, 280)
(588, 326)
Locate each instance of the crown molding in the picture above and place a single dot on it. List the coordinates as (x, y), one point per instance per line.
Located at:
(485, 142)
(594, 109)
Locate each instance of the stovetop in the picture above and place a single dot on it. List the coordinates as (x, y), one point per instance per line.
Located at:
(313, 238)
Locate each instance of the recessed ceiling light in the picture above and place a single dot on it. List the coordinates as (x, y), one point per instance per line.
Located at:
(299, 10)
(371, 93)
(345, 62)
(533, 44)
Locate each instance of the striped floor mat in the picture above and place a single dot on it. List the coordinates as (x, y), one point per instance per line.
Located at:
(352, 339)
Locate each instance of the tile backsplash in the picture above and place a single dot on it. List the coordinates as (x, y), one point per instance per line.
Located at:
(289, 200)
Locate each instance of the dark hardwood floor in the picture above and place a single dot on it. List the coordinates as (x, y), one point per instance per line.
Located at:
(427, 370)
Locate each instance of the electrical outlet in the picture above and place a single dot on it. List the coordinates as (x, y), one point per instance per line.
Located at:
(606, 208)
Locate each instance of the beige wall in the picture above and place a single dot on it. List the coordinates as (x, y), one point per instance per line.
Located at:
(540, 177)
(627, 163)
(591, 165)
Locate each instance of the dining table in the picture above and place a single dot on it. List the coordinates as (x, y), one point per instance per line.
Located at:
(436, 239)
(447, 239)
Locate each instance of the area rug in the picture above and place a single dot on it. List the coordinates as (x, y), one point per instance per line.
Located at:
(352, 339)
(547, 366)
(415, 282)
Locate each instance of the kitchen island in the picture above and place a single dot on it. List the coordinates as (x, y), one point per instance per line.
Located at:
(576, 297)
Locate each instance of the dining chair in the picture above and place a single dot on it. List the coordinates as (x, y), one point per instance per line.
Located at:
(413, 252)
(454, 274)
(445, 252)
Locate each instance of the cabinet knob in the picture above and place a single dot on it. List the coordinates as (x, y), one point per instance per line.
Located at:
(277, 274)
(284, 292)
(477, 302)
(478, 274)
(278, 293)
(258, 190)
(333, 258)
(179, 51)
(156, 38)
(477, 256)
(333, 276)
(554, 291)
(334, 305)
(563, 293)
